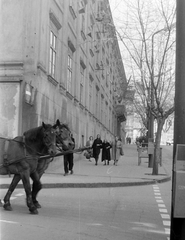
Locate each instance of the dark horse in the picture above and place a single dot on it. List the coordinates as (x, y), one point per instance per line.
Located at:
(22, 159)
(63, 142)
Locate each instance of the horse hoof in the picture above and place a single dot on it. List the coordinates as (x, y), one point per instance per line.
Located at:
(35, 212)
(7, 207)
(37, 205)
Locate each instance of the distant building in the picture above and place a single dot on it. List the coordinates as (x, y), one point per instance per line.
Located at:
(60, 59)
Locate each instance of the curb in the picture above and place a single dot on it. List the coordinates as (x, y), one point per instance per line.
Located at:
(95, 185)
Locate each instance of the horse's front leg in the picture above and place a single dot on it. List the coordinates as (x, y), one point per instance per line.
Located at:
(25, 176)
(36, 187)
(15, 180)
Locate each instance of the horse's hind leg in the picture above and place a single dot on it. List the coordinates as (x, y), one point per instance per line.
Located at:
(37, 186)
(15, 180)
(27, 186)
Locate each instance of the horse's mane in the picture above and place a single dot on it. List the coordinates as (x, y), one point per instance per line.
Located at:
(63, 125)
(34, 133)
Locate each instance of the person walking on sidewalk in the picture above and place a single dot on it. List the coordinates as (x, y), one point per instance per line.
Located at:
(106, 146)
(68, 160)
(97, 145)
(114, 142)
(89, 143)
(118, 150)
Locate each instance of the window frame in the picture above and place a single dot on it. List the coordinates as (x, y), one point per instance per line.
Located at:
(69, 70)
(52, 54)
(82, 77)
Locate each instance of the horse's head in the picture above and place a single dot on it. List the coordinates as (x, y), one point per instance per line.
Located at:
(49, 138)
(41, 140)
(63, 136)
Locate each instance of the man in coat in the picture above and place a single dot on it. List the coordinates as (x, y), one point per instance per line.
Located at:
(106, 146)
(68, 160)
(97, 145)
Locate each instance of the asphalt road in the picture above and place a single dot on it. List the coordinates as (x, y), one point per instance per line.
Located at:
(127, 213)
(119, 213)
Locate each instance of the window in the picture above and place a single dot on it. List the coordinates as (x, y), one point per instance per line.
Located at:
(90, 92)
(52, 54)
(97, 98)
(92, 20)
(69, 71)
(82, 71)
(81, 83)
(70, 57)
(83, 28)
(90, 96)
(102, 107)
(72, 4)
(106, 114)
(83, 23)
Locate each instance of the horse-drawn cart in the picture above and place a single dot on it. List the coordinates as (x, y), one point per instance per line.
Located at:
(28, 156)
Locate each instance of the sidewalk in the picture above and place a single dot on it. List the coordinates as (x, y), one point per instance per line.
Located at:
(87, 175)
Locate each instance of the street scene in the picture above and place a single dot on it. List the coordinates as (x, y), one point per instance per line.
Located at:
(96, 202)
(92, 142)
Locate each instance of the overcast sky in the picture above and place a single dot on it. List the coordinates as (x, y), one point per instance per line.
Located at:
(123, 17)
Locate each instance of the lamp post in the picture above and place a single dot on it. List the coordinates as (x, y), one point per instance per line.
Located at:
(151, 94)
(151, 117)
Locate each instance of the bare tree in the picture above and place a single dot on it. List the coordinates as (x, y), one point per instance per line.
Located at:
(148, 35)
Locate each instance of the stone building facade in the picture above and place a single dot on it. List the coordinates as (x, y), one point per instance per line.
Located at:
(60, 59)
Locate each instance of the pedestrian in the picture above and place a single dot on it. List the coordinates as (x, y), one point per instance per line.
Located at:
(68, 160)
(97, 145)
(106, 156)
(127, 139)
(114, 141)
(119, 150)
(89, 143)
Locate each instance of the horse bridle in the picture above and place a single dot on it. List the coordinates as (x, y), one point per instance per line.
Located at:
(45, 143)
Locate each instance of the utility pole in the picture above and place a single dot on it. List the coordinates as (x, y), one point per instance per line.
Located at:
(151, 117)
(178, 223)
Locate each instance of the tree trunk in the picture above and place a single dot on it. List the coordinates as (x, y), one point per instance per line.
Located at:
(157, 146)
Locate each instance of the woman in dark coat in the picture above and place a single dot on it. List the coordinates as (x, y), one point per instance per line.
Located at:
(97, 145)
(106, 146)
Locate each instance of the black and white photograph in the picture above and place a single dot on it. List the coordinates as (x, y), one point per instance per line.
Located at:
(92, 119)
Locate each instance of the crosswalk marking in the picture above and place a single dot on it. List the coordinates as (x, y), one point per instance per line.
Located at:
(157, 193)
(167, 230)
(165, 216)
(161, 205)
(162, 210)
(166, 223)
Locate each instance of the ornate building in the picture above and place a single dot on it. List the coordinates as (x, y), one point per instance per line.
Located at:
(60, 59)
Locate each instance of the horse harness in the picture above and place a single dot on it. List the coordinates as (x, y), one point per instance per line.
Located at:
(6, 161)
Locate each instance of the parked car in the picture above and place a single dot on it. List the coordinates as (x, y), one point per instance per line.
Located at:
(169, 142)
